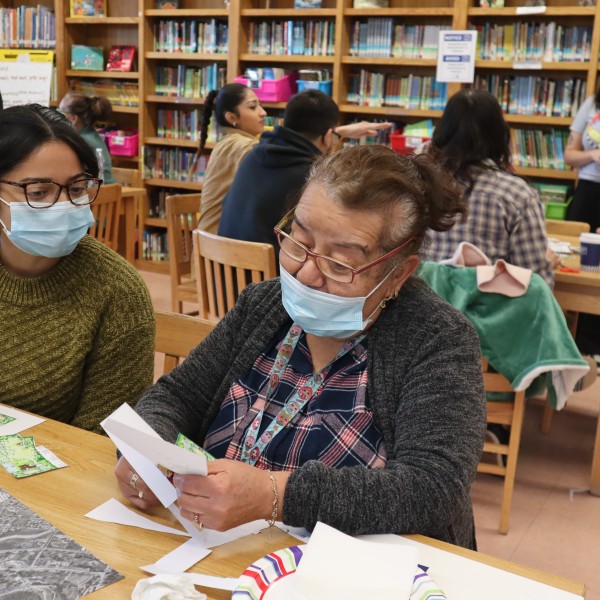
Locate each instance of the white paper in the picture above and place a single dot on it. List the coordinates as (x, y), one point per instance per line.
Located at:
(21, 421)
(210, 581)
(211, 538)
(159, 451)
(51, 457)
(456, 56)
(180, 560)
(300, 533)
(336, 565)
(463, 578)
(112, 511)
(531, 10)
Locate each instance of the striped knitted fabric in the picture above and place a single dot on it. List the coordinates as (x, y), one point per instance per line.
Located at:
(78, 341)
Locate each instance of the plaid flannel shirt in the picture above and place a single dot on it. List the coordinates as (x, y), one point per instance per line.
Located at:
(506, 220)
(335, 427)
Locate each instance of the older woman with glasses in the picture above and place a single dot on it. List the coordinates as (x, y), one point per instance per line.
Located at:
(77, 334)
(345, 391)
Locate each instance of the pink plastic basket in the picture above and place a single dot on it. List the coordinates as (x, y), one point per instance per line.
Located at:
(272, 90)
(122, 143)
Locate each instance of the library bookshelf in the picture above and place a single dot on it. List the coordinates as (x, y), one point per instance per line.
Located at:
(138, 22)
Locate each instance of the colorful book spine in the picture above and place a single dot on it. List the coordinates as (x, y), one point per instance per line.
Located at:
(27, 27)
(189, 82)
(205, 37)
(292, 37)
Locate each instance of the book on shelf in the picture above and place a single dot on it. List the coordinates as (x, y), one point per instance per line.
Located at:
(292, 37)
(119, 93)
(88, 8)
(208, 37)
(178, 124)
(27, 27)
(154, 246)
(539, 149)
(491, 3)
(370, 3)
(120, 58)
(87, 58)
(383, 37)
(172, 163)
(525, 41)
(167, 4)
(189, 82)
(307, 3)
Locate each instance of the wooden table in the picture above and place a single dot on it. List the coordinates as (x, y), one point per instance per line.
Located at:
(580, 292)
(65, 495)
(129, 196)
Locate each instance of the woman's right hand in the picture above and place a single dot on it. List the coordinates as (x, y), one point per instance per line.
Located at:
(133, 487)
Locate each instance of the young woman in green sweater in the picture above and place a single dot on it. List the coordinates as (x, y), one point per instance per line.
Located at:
(77, 333)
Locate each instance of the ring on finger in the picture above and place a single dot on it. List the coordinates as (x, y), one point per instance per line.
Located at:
(141, 495)
(133, 480)
(197, 521)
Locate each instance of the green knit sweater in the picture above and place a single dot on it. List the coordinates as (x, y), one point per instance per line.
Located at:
(78, 341)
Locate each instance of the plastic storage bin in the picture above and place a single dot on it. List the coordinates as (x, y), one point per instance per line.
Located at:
(405, 144)
(272, 90)
(556, 210)
(122, 143)
(322, 86)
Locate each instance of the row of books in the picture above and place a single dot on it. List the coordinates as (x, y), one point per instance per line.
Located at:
(533, 42)
(313, 38)
(27, 27)
(119, 93)
(535, 95)
(179, 124)
(539, 149)
(171, 163)
(383, 89)
(154, 246)
(189, 82)
(210, 37)
(382, 38)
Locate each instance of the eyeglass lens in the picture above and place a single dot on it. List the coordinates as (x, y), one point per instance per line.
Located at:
(327, 266)
(45, 193)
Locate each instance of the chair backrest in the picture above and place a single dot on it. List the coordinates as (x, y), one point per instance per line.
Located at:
(127, 177)
(177, 335)
(223, 269)
(182, 219)
(555, 227)
(508, 413)
(106, 209)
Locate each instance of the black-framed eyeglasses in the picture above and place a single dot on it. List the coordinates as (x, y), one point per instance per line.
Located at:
(45, 193)
(330, 267)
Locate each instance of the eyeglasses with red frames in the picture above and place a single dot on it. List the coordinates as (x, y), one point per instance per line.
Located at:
(330, 267)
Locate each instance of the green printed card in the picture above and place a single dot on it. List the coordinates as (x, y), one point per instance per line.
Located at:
(184, 442)
(22, 458)
(5, 419)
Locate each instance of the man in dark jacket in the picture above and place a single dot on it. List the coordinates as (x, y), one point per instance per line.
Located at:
(271, 176)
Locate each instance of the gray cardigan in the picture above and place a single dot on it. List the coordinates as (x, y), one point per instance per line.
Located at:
(426, 392)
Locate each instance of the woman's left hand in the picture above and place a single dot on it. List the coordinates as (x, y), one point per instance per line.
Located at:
(231, 494)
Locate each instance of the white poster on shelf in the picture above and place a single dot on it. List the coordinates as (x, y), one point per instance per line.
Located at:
(25, 77)
(456, 56)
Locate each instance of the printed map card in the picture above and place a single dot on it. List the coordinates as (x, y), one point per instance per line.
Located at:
(22, 458)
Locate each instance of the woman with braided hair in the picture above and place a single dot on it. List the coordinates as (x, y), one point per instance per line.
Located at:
(238, 112)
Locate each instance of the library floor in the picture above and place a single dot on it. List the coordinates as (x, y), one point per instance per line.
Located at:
(551, 528)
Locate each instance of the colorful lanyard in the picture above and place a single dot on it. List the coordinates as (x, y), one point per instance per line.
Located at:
(252, 448)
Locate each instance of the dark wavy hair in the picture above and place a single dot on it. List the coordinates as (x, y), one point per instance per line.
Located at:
(24, 129)
(471, 132)
(89, 109)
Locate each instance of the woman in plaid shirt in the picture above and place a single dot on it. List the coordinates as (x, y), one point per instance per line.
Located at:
(344, 391)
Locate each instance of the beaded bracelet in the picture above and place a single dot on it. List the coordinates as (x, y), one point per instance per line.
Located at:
(275, 499)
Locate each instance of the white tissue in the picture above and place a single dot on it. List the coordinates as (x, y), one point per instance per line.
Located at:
(166, 587)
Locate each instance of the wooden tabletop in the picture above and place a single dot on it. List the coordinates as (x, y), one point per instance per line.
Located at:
(63, 496)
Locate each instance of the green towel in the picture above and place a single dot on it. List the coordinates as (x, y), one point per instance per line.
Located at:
(524, 338)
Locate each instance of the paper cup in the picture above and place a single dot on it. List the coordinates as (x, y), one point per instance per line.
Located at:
(590, 251)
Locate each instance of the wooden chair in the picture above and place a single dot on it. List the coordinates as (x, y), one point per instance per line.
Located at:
(177, 335)
(223, 269)
(571, 228)
(127, 177)
(182, 219)
(508, 413)
(106, 209)
(574, 228)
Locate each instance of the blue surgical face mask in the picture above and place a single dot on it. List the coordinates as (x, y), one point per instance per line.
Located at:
(322, 314)
(52, 232)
